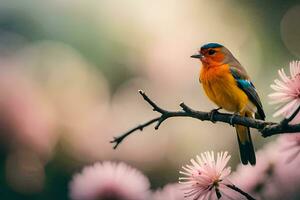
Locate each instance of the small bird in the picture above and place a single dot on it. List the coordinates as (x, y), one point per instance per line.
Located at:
(228, 85)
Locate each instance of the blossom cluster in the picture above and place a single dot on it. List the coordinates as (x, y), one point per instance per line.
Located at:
(207, 177)
(118, 181)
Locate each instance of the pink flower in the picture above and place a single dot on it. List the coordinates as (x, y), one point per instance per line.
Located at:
(287, 95)
(206, 176)
(287, 91)
(254, 179)
(109, 180)
(291, 144)
(272, 177)
(169, 192)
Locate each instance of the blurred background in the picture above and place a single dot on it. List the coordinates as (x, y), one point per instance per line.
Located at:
(70, 72)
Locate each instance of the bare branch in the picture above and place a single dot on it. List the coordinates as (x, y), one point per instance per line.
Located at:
(286, 121)
(245, 194)
(118, 140)
(218, 193)
(155, 107)
(266, 128)
(294, 114)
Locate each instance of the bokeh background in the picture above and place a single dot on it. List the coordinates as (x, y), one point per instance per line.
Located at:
(70, 71)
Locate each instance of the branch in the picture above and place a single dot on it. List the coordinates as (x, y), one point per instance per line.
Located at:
(286, 121)
(245, 194)
(218, 193)
(118, 140)
(294, 114)
(266, 128)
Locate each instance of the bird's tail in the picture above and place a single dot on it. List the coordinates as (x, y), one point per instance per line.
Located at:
(247, 152)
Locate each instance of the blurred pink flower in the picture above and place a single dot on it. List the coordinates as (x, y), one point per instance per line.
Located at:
(291, 144)
(27, 118)
(287, 91)
(109, 180)
(170, 192)
(206, 175)
(272, 177)
(254, 179)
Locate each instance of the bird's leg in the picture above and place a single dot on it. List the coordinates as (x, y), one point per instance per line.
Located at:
(212, 113)
(232, 117)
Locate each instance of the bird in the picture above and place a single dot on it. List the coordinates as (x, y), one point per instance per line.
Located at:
(227, 84)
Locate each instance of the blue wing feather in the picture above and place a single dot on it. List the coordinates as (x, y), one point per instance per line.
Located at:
(248, 87)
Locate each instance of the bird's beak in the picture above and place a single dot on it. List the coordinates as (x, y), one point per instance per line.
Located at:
(199, 56)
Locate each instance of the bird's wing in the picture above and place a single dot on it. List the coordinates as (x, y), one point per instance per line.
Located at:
(248, 87)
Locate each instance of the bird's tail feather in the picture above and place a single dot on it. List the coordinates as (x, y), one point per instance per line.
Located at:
(247, 152)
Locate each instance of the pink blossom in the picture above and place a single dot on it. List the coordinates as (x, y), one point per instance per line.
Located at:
(272, 177)
(206, 175)
(109, 180)
(169, 192)
(291, 144)
(287, 91)
(287, 95)
(254, 179)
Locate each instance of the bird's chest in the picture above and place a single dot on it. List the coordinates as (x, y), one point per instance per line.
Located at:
(221, 88)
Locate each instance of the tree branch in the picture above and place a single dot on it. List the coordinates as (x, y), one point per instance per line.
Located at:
(266, 128)
(245, 194)
(287, 120)
(118, 140)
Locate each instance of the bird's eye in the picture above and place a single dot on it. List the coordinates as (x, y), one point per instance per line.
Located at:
(211, 52)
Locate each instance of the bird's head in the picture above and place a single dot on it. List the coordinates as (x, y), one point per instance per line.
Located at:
(213, 54)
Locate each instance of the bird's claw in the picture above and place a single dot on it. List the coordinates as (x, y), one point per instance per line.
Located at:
(212, 113)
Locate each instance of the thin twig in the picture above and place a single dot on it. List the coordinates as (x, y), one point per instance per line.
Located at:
(287, 120)
(294, 114)
(266, 128)
(218, 193)
(245, 194)
(118, 140)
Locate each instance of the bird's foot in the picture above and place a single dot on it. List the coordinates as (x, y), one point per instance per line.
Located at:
(212, 113)
(232, 118)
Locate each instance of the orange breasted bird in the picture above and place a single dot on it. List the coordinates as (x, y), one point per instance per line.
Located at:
(228, 85)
